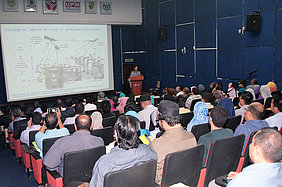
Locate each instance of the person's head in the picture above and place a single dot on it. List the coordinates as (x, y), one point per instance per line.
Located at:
(195, 91)
(83, 122)
(179, 88)
(16, 112)
(242, 83)
(213, 85)
(51, 120)
(44, 108)
(201, 87)
(36, 118)
(168, 114)
(135, 68)
(219, 86)
(246, 98)
(276, 103)
(186, 91)
(218, 116)
(130, 106)
(68, 101)
(254, 82)
(171, 91)
(127, 132)
(255, 111)
(101, 95)
(266, 146)
(89, 99)
(79, 108)
(105, 106)
(36, 104)
(145, 100)
(28, 112)
(115, 99)
(206, 97)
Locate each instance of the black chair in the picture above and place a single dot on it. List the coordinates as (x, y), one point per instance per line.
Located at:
(259, 100)
(19, 127)
(199, 130)
(183, 166)
(223, 157)
(66, 115)
(106, 134)
(142, 124)
(193, 104)
(267, 103)
(236, 101)
(47, 144)
(116, 112)
(32, 137)
(89, 112)
(137, 176)
(78, 166)
(186, 118)
(233, 122)
(109, 121)
(70, 127)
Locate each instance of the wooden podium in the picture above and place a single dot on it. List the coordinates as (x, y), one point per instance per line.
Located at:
(136, 84)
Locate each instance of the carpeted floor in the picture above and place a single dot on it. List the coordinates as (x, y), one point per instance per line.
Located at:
(11, 173)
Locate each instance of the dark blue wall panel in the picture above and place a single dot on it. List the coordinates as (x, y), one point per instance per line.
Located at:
(279, 29)
(205, 66)
(278, 65)
(184, 11)
(168, 73)
(229, 8)
(279, 4)
(117, 57)
(250, 6)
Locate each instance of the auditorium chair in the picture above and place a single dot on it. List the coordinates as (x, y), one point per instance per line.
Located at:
(105, 133)
(183, 167)
(90, 112)
(36, 160)
(70, 127)
(267, 103)
(142, 125)
(66, 115)
(138, 176)
(78, 166)
(18, 128)
(186, 118)
(109, 122)
(233, 122)
(236, 101)
(259, 101)
(199, 130)
(223, 157)
(193, 104)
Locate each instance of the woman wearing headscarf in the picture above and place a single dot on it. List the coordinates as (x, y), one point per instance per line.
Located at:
(264, 92)
(272, 86)
(97, 120)
(122, 103)
(256, 88)
(228, 105)
(112, 105)
(251, 90)
(200, 115)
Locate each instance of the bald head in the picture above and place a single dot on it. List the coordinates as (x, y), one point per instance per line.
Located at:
(83, 122)
(257, 110)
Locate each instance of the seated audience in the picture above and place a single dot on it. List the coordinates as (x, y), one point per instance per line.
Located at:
(97, 120)
(15, 116)
(276, 108)
(256, 87)
(78, 110)
(128, 153)
(36, 105)
(264, 92)
(195, 95)
(251, 90)
(106, 109)
(265, 152)
(179, 90)
(131, 106)
(253, 116)
(90, 104)
(232, 92)
(49, 129)
(217, 119)
(206, 98)
(44, 109)
(101, 96)
(272, 86)
(112, 105)
(242, 85)
(115, 100)
(79, 140)
(218, 95)
(186, 92)
(212, 87)
(246, 99)
(69, 106)
(32, 125)
(174, 139)
(148, 109)
(201, 88)
(122, 103)
(200, 115)
(228, 105)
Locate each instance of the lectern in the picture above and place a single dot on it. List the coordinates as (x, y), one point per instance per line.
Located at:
(136, 84)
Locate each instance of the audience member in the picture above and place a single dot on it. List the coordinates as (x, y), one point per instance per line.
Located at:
(212, 87)
(254, 82)
(195, 95)
(186, 92)
(106, 109)
(253, 116)
(251, 90)
(122, 103)
(69, 106)
(174, 139)
(49, 129)
(44, 109)
(148, 109)
(101, 96)
(276, 108)
(242, 85)
(79, 140)
(15, 116)
(217, 119)
(97, 120)
(36, 105)
(179, 90)
(272, 86)
(206, 98)
(128, 153)
(266, 154)
(200, 115)
(131, 106)
(112, 105)
(228, 105)
(78, 110)
(264, 92)
(218, 95)
(232, 92)
(115, 100)
(245, 100)
(201, 88)
(90, 104)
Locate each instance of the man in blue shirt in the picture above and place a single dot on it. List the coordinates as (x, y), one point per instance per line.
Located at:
(265, 152)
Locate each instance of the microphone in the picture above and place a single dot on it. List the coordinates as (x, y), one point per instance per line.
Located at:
(253, 72)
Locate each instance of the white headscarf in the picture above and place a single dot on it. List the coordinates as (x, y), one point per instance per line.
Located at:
(97, 120)
(265, 92)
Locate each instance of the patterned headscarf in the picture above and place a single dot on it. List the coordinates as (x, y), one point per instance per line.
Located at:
(122, 103)
(272, 86)
(200, 115)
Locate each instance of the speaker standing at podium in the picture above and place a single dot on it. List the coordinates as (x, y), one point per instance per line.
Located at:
(135, 72)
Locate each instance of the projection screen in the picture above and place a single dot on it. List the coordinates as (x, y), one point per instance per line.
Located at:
(46, 60)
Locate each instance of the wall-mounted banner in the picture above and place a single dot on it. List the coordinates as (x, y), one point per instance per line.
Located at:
(91, 7)
(30, 6)
(50, 7)
(11, 5)
(72, 6)
(106, 8)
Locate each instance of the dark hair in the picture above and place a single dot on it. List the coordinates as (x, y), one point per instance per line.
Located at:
(16, 112)
(171, 120)
(131, 106)
(254, 81)
(36, 104)
(44, 108)
(196, 91)
(115, 99)
(51, 120)
(247, 97)
(79, 108)
(105, 106)
(219, 116)
(80, 99)
(128, 132)
(270, 141)
(277, 101)
(219, 86)
(89, 99)
(68, 101)
(36, 118)
(29, 110)
(244, 82)
(206, 96)
(256, 112)
(83, 124)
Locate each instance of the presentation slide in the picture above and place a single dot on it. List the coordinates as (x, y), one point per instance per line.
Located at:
(47, 60)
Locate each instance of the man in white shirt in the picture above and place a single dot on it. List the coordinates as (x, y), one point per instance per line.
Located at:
(16, 116)
(89, 104)
(32, 125)
(276, 108)
(148, 109)
(246, 99)
(78, 109)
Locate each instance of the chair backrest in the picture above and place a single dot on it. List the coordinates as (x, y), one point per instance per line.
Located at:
(78, 165)
(199, 130)
(109, 122)
(186, 118)
(89, 112)
(153, 122)
(106, 134)
(236, 101)
(32, 136)
(183, 166)
(138, 176)
(223, 157)
(193, 103)
(70, 127)
(267, 103)
(47, 144)
(19, 127)
(233, 122)
(259, 100)
(142, 124)
(247, 160)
